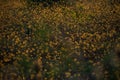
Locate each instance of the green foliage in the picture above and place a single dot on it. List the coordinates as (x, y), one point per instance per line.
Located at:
(25, 66)
(108, 62)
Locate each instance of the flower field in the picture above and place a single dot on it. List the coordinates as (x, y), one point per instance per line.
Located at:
(74, 40)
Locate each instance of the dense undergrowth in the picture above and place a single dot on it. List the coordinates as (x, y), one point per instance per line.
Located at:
(78, 41)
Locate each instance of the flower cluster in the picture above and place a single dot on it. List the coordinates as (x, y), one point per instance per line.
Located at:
(60, 42)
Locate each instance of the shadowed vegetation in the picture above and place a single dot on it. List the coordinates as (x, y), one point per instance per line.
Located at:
(59, 40)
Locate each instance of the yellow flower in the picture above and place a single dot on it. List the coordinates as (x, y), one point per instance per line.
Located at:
(51, 78)
(106, 72)
(85, 55)
(78, 62)
(46, 50)
(67, 74)
(51, 64)
(67, 33)
(94, 49)
(62, 48)
(6, 59)
(32, 76)
(17, 40)
(78, 75)
(98, 63)
(75, 59)
(90, 61)
(24, 42)
(11, 55)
